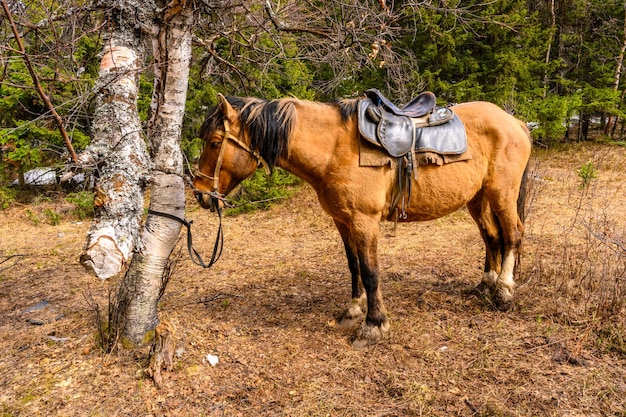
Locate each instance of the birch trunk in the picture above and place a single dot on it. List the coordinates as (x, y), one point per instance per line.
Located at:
(172, 53)
(617, 76)
(549, 48)
(118, 149)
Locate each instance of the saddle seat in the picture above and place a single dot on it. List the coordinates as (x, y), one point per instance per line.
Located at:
(418, 107)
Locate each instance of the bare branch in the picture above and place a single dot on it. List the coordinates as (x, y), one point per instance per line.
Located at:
(38, 87)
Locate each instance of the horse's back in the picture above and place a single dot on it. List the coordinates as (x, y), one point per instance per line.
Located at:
(482, 118)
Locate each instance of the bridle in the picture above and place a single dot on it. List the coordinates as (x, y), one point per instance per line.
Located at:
(226, 135)
(216, 197)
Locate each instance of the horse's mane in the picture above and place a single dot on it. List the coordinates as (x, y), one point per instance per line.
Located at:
(269, 123)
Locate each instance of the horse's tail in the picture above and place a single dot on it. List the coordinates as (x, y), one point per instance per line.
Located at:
(523, 190)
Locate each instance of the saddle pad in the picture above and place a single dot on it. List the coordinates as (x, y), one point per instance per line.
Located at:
(373, 156)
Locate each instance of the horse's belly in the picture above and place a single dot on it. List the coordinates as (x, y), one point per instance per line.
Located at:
(436, 195)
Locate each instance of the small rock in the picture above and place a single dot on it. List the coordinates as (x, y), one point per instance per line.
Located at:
(212, 359)
(179, 352)
(40, 305)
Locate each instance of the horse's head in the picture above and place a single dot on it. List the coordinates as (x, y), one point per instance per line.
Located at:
(227, 158)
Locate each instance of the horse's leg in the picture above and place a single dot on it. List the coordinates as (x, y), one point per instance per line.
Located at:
(505, 208)
(365, 235)
(489, 227)
(358, 306)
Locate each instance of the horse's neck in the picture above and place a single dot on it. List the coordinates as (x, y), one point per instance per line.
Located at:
(316, 137)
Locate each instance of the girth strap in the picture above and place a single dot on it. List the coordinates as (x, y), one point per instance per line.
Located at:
(401, 193)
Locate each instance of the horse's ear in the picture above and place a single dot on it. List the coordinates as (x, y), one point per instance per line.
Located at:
(227, 110)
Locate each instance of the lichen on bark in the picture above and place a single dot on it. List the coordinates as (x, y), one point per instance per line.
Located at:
(118, 149)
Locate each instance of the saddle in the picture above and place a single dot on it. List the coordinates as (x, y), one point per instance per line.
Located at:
(418, 107)
(439, 130)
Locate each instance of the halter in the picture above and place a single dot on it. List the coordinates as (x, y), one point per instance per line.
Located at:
(226, 135)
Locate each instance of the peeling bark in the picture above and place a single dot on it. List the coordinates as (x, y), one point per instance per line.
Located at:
(119, 150)
(172, 52)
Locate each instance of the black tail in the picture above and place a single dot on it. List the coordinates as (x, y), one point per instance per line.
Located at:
(523, 189)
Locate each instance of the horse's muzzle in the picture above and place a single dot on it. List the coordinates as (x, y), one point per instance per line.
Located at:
(208, 201)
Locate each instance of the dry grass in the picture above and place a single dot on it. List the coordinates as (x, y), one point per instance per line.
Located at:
(266, 310)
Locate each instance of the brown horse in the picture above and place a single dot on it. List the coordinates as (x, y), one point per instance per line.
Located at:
(319, 142)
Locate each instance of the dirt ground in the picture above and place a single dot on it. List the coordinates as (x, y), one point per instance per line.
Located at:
(266, 310)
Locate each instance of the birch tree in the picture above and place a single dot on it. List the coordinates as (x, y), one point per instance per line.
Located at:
(116, 241)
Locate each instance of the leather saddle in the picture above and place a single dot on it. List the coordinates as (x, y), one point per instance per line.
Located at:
(439, 130)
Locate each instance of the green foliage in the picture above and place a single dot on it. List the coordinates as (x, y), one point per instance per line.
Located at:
(260, 191)
(22, 152)
(146, 85)
(587, 173)
(552, 115)
(612, 338)
(7, 197)
(53, 218)
(32, 217)
(83, 202)
(66, 62)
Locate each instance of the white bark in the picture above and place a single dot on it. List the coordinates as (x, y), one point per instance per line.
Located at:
(549, 49)
(619, 67)
(172, 52)
(119, 150)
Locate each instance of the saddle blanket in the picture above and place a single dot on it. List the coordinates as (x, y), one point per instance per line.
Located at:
(371, 155)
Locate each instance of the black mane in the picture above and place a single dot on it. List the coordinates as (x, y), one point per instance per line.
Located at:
(269, 123)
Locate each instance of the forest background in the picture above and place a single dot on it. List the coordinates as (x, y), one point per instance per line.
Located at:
(554, 63)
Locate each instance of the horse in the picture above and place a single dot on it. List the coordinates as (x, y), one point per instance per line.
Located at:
(319, 142)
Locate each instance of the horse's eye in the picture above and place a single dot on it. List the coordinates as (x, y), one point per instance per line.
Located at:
(215, 144)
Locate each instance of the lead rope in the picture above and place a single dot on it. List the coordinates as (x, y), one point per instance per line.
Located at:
(193, 254)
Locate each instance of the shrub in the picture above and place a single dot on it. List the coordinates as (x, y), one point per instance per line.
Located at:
(260, 191)
(7, 196)
(83, 200)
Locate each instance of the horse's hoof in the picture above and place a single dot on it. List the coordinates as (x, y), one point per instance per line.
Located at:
(503, 299)
(369, 335)
(503, 305)
(362, 344)
(480, 291)
(354, 315)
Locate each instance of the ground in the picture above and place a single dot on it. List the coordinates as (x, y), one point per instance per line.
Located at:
(267, 311)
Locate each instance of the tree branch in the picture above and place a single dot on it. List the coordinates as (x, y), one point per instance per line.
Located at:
(282, 26)
(38, 87)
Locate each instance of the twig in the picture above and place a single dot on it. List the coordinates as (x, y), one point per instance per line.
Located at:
(11, 256)
(207, 300)
(282, 26)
